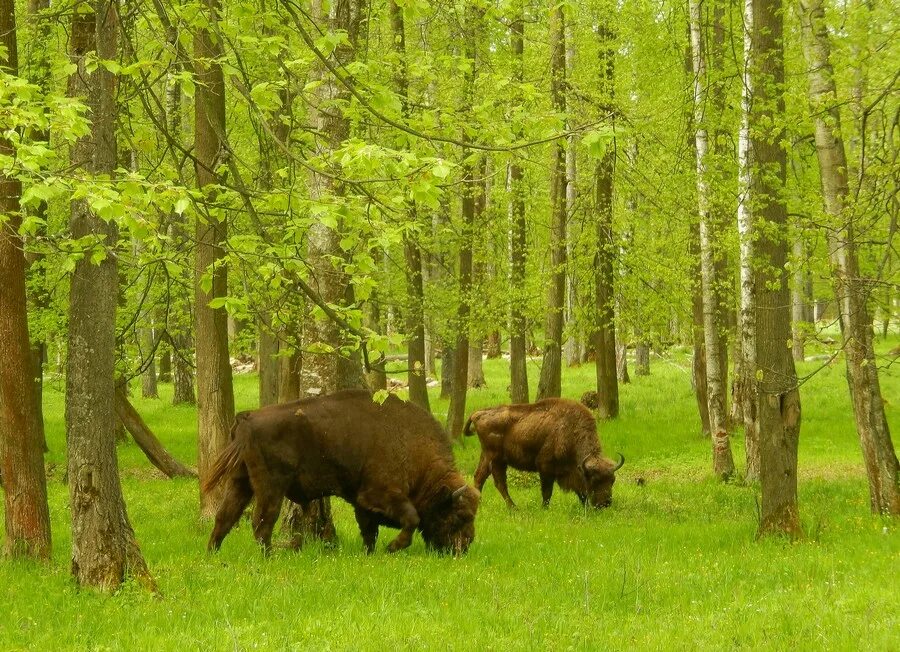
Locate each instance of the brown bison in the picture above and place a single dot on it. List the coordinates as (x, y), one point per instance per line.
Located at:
(391, 461)
(555, 437)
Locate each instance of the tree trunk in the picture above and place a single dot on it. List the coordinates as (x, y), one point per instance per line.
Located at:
(147, 441)
(148, 377)
(622, 364)
(289, 370)
(183, 378)
(165, 364)
(744, 391)
(798, 303)
(215, 406)
(716, 382)
(35, 262)
(642, 359)
(104, 549)
(605, 334)
(476, 363)
(415, 291)
(549, 384)
(777, 395)
(850, 290)
(518, 328)
(457, 409)
(267, 362)
(492, 346)
(574, 347)
(448, 357)
(330, 370)
(21, 446)
(415, 325)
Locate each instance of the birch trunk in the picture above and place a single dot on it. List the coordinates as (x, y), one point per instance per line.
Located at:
(849, 289)
(745, 376)
(723, 463)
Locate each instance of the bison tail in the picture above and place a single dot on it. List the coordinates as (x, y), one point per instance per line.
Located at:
(228, 459)
(467, 431)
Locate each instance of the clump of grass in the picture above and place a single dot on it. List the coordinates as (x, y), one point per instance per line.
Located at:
(671, 565)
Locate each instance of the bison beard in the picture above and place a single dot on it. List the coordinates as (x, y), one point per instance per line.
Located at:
(392, 462)
(555, 437)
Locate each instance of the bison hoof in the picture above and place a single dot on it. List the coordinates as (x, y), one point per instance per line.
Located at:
(396, 545)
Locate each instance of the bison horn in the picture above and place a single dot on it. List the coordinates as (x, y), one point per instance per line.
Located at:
(459, 492)
(621, 462)
(584, 461)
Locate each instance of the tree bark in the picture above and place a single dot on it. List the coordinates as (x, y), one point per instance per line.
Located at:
(147, 441)
(21, 445)
(476, 363)
(148, 377)
(849, 288)
(215, 393)
(325, 364)
(289, 370)
(415, 290)
(104, 549)
(267, 362)
(605, 333)
(165, 364)
(723, 463)
(744, 391)
(35, 261)
(549, 384)
(777, 395)
(798, 303)
(457, 409)
(518, 328)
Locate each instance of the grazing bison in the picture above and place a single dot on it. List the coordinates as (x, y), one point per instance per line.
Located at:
(391, 461)
(555, 437)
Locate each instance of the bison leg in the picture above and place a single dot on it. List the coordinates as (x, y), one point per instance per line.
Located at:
(368, 528)
(397, 508)
(499, 472)
(546, 488)
(268, 507)
(482, 472)
(234, 501)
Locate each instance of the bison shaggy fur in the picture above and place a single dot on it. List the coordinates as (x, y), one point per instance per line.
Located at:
(391, 461)
(556, 437)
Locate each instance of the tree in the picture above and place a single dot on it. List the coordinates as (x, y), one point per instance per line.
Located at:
(777, 399)
(457, 409)
(21, 441)
(716, 371)
(745, 373)
(549, 384)
(104, 549)
(215, 406)
(415, 292)
(850, 289)
(605, 329)
(518, 385)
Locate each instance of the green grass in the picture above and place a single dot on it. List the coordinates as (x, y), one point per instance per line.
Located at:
(671, 565)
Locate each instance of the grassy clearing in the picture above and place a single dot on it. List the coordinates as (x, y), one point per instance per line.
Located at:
(671, 565)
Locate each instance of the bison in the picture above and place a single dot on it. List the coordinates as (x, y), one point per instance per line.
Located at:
(555, 437)
(391, 461)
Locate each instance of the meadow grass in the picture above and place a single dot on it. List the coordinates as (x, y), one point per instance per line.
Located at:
(672, 565)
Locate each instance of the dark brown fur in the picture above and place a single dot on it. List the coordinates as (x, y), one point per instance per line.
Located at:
(392, 462)
(555, 437)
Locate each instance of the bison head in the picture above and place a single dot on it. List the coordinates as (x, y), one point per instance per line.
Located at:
(449, 526)
(599, 476)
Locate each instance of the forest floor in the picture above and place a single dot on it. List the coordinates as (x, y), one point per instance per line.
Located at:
(672, 565)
